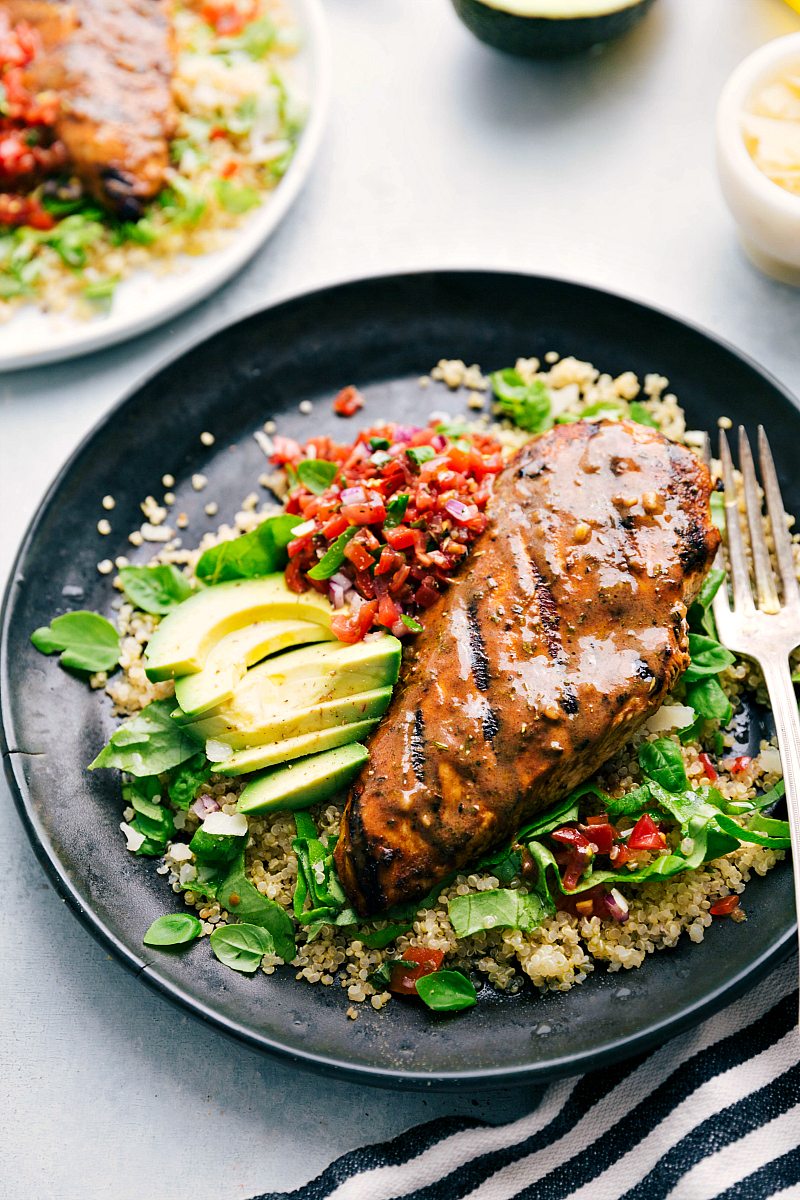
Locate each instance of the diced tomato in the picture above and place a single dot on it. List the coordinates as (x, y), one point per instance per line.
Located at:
(229, 169)
(371, 512)
(227, 17)
(568, 835)
(601, 835)
(740, 764)
(404, 979)
(619, 855)
(725, 906)
(389, 559)
(708, 768)
(646, 835)
(334, 527)
(388, 611)
(348, 402)
(297, 545)
(285, 450)
(353, 628)
(401, 537)
(359, 556)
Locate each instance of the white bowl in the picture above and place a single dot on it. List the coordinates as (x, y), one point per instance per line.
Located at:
(767, 215)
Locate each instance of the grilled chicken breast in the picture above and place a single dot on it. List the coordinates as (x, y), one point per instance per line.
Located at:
(562, 634)
(111, 63)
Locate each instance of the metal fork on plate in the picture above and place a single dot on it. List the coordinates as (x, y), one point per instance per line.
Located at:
(766, 627)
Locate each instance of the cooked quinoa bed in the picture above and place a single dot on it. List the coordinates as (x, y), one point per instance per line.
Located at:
(564, 949)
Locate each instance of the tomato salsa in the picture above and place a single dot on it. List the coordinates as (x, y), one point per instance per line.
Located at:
(383, 521)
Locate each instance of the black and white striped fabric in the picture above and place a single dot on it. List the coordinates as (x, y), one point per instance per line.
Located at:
(711, 1115)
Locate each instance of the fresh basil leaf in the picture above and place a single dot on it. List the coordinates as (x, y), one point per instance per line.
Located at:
(642, 415)
(239, 896)
(251, 555)
(708, 657)
(316, 474)
(174, 929)
(379, 939)
(528, 405)
(417, 455)
(446, 991)
(157, 589)
(185, 781)
(333, 558)
(411, 623)
(85, 640)
(501, 908)
(662, 761)
(241, 947)
(148, 743)
(396, 510)
(709, 701)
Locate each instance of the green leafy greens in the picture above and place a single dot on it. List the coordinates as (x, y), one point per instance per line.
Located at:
(316, 474)
(157, 590)
(251, 555)
(241, 947)
(148, 743)
(528, 405)
(446, 991)
(85, 640)
(174, 929)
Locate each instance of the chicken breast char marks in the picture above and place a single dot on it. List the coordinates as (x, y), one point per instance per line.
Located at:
(563, 632)
(111, 63)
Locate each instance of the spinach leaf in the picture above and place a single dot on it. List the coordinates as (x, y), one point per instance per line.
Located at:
(771, 797)
(379, 939)
(501, 908)
(334, 557)
(528, 405)
(396, 510)
(148, 743)
(631, 804)
(505, 864)
(241, 947)
(251, 555)
(85, 640)
(709, 701)
(175, 929)
(156, 589)
(237, 894)
(186, 779)
(641, 415)
(662, 761)
(708, 657)
(566, 810)
(316, 474)
(447, 991)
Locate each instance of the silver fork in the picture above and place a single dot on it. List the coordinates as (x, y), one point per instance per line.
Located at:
(764, 628)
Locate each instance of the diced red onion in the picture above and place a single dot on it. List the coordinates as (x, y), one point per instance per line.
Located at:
(336, 593)
(460, 511)
(341, 581)
(439, 441)
(302, 530)
(204, 805)
(353, 495)
(617, 905)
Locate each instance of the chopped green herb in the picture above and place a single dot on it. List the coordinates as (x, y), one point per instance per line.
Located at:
(379, 443)
(396, 510)
(642, 415)
(334, 557)
(411, 623)
(316, 474)
(85, 640)
(528, 405)
(236, 198)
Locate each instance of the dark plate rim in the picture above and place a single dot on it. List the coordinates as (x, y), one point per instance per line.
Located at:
(381, 1076)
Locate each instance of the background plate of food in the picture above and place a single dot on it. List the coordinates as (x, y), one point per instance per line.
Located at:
(388, 411)
(147, 151)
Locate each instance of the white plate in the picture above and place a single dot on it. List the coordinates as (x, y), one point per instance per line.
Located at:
(147, 299)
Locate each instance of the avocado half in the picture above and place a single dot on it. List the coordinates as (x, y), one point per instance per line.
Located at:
(549, 28)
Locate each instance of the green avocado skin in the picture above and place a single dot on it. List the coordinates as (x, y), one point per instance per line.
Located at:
(545, 37)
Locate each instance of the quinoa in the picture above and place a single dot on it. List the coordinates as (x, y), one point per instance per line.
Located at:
(565, 948)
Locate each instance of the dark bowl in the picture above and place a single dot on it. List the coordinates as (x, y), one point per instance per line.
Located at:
(380, 334)
(548, 37)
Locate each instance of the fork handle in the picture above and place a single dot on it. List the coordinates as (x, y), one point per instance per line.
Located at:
(778, 679)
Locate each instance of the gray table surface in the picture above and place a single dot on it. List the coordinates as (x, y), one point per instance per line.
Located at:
(439, 152)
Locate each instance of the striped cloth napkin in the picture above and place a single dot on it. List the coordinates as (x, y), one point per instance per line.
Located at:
(711, 1115)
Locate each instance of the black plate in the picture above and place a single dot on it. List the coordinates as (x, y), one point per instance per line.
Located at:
(380, 334)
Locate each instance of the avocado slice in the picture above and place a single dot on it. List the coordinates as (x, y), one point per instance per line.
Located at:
(305, 781)
(183, 640)
(305, 709)
(275, 753)
(549, 28)
(229, 659)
